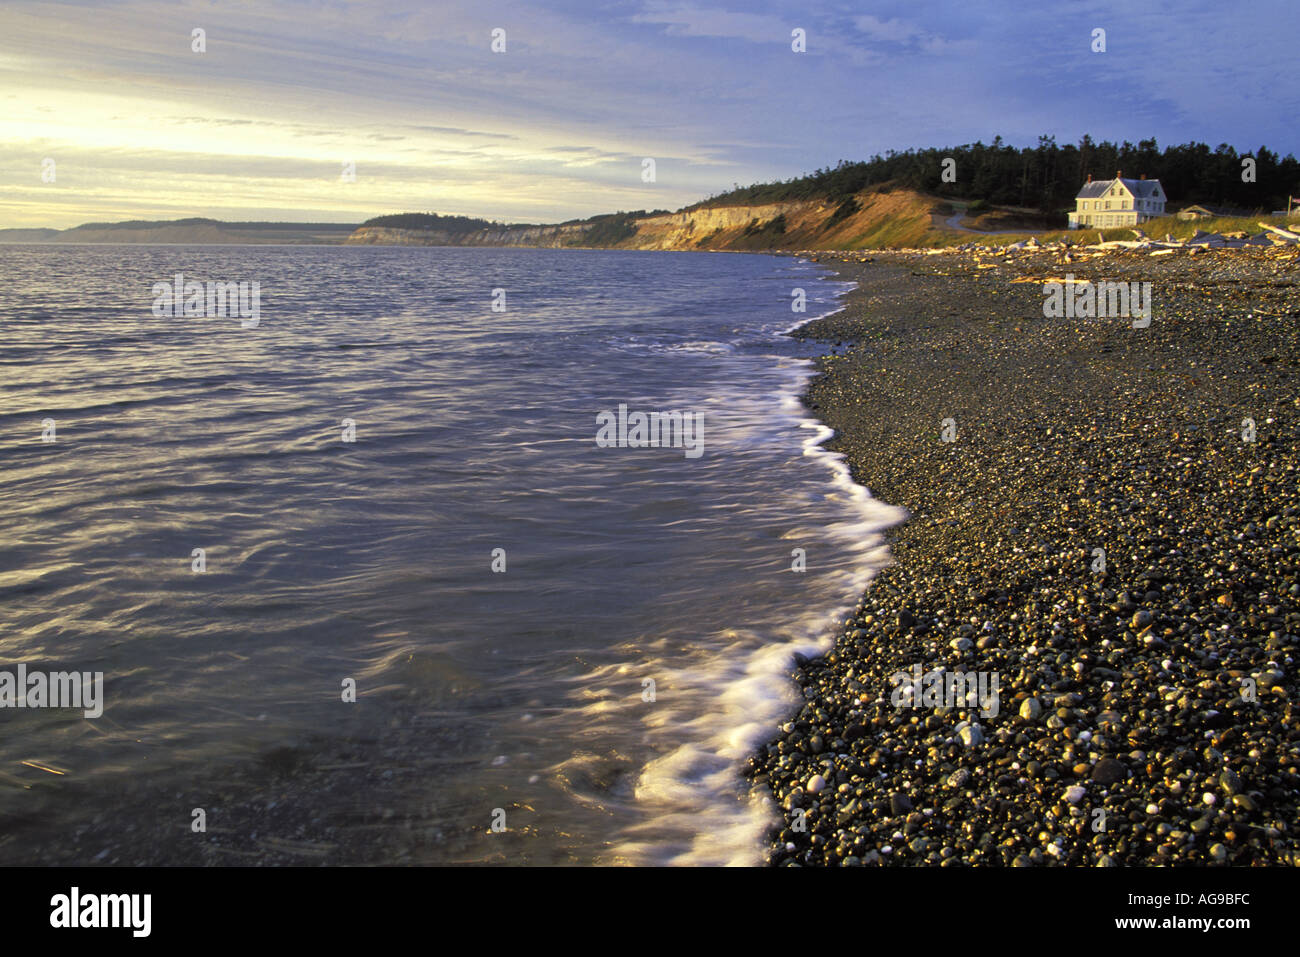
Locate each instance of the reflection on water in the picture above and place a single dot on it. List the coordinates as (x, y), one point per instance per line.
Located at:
(524, 691)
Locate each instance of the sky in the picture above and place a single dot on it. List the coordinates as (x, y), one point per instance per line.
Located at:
(107, 112)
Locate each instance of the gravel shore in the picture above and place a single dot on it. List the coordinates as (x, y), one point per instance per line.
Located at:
(1144, 692)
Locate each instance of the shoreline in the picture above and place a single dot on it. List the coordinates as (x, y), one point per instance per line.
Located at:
(1124, 732)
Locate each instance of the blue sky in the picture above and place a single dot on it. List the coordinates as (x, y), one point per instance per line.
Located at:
(556, 127)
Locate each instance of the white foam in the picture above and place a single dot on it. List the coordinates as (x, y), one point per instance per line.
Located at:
(696, 807)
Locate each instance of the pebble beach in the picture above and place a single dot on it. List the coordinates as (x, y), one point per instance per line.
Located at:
(1105, 524)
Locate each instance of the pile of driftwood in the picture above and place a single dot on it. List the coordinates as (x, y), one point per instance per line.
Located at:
(1271, 236)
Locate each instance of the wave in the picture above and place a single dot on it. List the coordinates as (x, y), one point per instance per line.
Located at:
(726, 695)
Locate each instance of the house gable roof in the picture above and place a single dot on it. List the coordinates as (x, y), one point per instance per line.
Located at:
(1140, 188)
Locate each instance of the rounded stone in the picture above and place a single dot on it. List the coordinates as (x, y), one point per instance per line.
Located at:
(1109, 771)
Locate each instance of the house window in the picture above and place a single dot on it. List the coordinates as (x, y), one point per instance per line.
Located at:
(1108, 205)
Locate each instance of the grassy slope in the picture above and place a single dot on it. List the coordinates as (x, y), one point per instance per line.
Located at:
(893, 217)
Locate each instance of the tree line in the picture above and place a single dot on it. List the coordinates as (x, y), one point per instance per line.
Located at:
(1047, 176)
(449, 224)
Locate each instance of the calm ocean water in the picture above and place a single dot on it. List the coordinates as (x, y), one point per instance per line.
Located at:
(519, 698)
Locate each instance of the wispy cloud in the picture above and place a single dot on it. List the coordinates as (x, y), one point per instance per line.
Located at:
(556, 126)
(685, 20)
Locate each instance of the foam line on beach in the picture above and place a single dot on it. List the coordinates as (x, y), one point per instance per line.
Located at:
(697, 809)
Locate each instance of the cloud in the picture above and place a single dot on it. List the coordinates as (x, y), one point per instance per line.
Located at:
(892, 31)
(907, 34)
(458, 131)
(557, 126)
(689, 21)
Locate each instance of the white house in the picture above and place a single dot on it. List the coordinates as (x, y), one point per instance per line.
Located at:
(1118, 202)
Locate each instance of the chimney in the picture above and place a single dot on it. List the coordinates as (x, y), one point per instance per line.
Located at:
(1119, 174)
(1089, 177)
(1144, 175)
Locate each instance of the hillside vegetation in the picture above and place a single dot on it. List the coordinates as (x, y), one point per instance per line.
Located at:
(1045, 177)
(430, 222)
